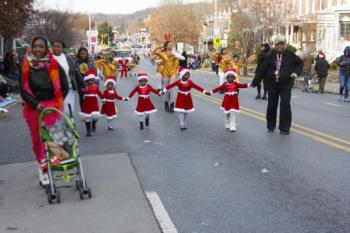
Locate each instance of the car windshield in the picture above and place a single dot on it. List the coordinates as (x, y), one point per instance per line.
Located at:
(123, 54)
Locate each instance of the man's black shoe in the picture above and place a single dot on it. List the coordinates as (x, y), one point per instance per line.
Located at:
(258, 97)
(284, 132)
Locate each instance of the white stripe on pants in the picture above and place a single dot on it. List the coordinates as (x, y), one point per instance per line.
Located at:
(70, 99)
(169, 96)
(222, 77)
(183, 118)
(230, 121)
(159, 80)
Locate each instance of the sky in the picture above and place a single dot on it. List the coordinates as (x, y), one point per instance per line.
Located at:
(102, 6)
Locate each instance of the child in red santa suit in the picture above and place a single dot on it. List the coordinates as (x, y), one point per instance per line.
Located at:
(144, 105)
(109, 97)
(184, 104)
(124, 69)
(230, 104)
(90, 111)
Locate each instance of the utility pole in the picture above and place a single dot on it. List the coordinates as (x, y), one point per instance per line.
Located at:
(89, 34)
(216, 30)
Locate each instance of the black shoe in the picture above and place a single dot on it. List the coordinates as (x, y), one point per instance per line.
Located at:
(141, 125)
(147, 122)
(258, 97)
(88, 129)
(270, 130)
(264, 97)
(182, 128)
(166, 106)
(110, 128)
(93, 128)
(284, 132)
(172, 106)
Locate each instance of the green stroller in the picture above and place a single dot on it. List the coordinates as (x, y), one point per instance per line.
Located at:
(63, 138)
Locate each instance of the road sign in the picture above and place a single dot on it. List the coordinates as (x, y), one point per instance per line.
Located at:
(217, 42)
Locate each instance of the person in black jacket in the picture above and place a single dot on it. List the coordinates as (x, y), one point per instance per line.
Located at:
(281, 67)
(75, 81)
(43, 84)
(265, 50)
(183, 63)
(321, 68)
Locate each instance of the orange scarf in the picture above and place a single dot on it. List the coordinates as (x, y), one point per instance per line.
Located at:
(54, 76)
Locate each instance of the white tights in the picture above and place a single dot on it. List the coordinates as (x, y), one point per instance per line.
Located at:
(183, 118)
(230, 121)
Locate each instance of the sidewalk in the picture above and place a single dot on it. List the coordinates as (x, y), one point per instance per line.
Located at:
(330, 87)
(118, 204)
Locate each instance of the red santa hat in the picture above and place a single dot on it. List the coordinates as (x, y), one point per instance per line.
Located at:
(230, 71)
(90, 74)
(142, 76)
(110, 79)
(183, 71)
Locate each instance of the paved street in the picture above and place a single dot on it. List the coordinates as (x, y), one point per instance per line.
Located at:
(214, 181)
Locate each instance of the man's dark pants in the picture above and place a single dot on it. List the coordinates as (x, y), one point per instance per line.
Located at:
(283, 92)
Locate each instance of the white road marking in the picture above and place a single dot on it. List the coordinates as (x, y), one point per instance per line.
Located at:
(336, 105)
(160, 213)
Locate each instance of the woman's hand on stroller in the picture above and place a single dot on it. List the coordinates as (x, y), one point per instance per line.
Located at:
(39, 107)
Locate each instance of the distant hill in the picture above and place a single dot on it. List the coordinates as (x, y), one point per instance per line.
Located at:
(121, 21)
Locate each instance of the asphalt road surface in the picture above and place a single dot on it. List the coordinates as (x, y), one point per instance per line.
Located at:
(214, 181)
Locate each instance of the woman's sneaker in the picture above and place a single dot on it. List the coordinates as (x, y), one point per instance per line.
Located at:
(43, 177)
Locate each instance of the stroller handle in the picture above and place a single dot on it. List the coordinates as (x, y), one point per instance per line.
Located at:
(69, 123)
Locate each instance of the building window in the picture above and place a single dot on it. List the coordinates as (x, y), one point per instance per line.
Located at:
(345, 30)
(344, 26)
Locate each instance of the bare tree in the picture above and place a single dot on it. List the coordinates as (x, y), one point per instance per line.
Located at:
(177, 19)
(14, 15)
(58, 25)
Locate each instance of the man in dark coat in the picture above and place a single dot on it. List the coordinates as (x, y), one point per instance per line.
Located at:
(265, 50)
(281, 67)
(321, 68)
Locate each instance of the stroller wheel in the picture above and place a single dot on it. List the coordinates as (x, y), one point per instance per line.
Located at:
(88, 192)
(81, 193)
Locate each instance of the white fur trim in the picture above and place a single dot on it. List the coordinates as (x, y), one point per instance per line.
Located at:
(90, 76)
(145, 112)
(230, 110)
(109, 80)
(183, 72)
(110, 117)
(165, 90)
(184, 110)
(88, 115)
(204, 91)
(143, 77)
(230, 72)
(249, 84)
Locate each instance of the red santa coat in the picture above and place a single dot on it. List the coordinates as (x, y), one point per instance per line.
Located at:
(108, 108)
(90, 103)
(230, 102)
(144, 104)
(124, 63)
(184, 99)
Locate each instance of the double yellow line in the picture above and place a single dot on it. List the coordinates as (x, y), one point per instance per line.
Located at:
(333, 141)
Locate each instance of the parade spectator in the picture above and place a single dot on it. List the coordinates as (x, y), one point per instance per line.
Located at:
(344, 74)
(308, 61)
(84, 62)
(281, 67)
(43, 84)
(265, 50)
(184, 63)
(321, 68)
(75, 81)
